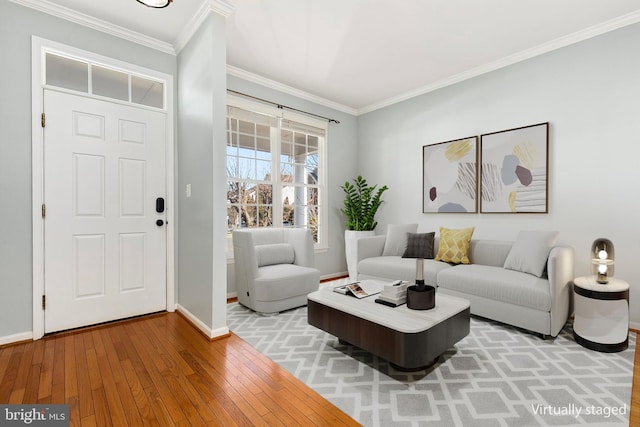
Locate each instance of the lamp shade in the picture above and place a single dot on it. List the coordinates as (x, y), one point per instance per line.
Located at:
(602, 260)
(156, 3)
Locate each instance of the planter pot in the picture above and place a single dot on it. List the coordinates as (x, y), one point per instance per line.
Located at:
(351, 250)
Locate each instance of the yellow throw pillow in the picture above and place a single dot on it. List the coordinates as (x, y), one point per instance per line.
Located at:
(454, 245)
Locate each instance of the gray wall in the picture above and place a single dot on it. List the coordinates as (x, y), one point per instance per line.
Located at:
(588, 92)
(342, 161)
(201, 163)
(17, 25)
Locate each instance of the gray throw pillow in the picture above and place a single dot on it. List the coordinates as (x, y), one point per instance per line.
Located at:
(420, 245)
(530, 251)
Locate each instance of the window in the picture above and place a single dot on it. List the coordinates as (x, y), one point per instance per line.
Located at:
(275, 170)
(91, 78)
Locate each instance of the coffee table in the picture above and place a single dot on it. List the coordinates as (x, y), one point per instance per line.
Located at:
(408, 339)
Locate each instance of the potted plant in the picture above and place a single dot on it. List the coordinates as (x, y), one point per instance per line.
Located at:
(361, 203)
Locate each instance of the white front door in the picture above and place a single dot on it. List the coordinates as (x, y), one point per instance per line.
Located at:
(104, 241)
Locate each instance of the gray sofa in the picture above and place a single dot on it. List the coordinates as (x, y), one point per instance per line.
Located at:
(539, 304)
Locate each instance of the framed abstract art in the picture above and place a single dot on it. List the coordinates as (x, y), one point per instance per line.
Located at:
(450, 177)
(514, 170)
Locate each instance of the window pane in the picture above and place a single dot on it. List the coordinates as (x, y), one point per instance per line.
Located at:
(233, 217)
(246, 127)
(147, 92)
(263, 170)
(265, 216)
(109, 83)
(263, 155)
(313, 222)
(286, 151)
(286, 172)
(246, 168)
(312, 196)
(264, 194)
(67, 73)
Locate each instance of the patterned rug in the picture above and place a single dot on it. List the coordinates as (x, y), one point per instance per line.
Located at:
(496, 376)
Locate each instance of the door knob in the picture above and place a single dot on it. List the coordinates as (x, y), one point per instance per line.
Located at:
(159, 223)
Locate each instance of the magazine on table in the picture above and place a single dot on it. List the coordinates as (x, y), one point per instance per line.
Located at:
(362, 288)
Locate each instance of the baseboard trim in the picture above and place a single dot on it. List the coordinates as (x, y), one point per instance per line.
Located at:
(211, 334)
(333, 276)
(12, 339)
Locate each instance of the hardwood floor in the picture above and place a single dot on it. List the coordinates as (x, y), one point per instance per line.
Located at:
(159, 370)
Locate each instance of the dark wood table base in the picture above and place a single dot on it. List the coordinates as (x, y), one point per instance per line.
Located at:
(406, 351)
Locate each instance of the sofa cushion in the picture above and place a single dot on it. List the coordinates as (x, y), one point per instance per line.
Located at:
(530, 251)
(489, 252)
(398, 268)
(396, 241)
(274, 253)
(419, 245)
(454, 245)
(498, 284)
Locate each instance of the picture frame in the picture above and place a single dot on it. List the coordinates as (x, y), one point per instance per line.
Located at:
(514, 170)
(450, 176)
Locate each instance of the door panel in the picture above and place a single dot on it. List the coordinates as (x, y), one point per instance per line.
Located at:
(104, 167)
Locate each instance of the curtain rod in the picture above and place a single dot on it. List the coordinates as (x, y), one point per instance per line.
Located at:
(280, 106)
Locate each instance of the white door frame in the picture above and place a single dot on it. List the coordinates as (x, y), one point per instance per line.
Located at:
(38, 48)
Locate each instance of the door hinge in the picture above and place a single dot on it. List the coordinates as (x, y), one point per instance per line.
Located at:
(42, 120)
(44, 302)
(44, 210)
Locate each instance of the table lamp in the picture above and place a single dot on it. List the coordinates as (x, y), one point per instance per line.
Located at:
(602, 259)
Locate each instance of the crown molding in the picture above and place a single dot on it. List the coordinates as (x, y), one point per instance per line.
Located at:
(578, 36)
(206, 8)
(222, 8)
(272, 84)
(96, 24)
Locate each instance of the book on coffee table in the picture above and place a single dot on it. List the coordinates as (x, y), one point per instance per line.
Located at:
(362, 288)
(393, 294)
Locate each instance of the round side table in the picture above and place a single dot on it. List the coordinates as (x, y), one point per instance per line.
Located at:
(601, 314)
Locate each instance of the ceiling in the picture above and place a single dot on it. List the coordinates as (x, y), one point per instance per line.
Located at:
(360, 55)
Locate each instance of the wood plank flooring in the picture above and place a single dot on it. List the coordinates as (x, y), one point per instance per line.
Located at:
(159, 370)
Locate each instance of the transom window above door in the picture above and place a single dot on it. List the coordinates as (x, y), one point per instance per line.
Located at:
(95, 79)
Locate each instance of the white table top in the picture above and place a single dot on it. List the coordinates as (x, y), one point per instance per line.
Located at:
(590, 283)
(400, 318)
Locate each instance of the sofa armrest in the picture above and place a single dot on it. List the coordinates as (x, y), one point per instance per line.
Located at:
(560, 270)
(370, 246)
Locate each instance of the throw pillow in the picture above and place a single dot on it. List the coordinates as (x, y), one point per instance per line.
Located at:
(419, 245)
(530, 251)
(396, 241)
(275, 253)
(454, 245)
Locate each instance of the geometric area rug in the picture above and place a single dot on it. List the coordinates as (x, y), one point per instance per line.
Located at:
(496, 376)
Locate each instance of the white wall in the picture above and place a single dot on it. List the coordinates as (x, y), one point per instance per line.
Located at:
(201, 287)
(590, 94)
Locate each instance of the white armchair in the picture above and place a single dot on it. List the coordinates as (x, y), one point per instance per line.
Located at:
(275, 268)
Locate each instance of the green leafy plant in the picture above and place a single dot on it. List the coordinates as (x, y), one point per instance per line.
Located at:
(361, 203)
